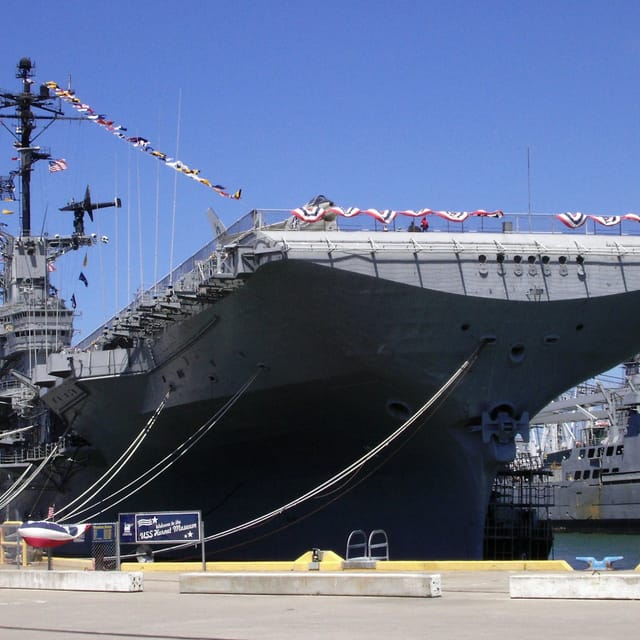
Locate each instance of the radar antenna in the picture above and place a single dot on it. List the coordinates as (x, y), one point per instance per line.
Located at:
(24, 103)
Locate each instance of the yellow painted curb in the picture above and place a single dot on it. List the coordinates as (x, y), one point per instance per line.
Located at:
(473, 565)
(333, 562)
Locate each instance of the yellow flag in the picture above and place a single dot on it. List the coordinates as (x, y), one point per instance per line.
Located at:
(7, 212)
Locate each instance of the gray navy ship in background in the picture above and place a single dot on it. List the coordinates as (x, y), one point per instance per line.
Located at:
(306, 373)
(591, 448)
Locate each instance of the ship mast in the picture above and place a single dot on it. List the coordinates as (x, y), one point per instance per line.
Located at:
(24, 103)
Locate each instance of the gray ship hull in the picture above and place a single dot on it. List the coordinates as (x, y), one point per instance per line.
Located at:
(597, 487)
(320, 335)
(345, 358)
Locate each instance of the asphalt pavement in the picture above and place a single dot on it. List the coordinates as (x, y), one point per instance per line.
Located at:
(474, 604)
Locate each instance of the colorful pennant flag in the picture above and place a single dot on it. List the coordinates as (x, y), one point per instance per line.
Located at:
(73, 300)
(136, 141)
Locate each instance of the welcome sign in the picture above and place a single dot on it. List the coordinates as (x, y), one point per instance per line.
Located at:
(160, 527)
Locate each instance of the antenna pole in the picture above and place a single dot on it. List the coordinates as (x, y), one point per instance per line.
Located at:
(24, 101)
(529, 186)
(26, 155)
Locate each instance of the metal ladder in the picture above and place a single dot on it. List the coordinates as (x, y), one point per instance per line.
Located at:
(375, 547)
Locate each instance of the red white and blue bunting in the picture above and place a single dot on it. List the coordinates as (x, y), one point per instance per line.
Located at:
(138, 142)
(320, 208)
(575, 220)
(315, 213)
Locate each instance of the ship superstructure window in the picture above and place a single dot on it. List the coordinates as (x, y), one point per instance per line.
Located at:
(609, 451)
(596, 473)
(592, 452)
(578, 475)
(581, 454)
(40, 332)
(586, 475)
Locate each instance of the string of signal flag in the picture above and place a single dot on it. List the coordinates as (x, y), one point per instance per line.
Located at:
(143, 144)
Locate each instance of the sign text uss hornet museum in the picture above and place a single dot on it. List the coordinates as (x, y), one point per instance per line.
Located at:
(162, 527)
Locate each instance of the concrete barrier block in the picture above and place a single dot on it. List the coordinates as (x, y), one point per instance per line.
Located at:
(329, 584)
(595, 586)
(72, 580)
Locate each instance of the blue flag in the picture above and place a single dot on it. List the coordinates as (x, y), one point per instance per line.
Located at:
(83, 278)
(73, 300)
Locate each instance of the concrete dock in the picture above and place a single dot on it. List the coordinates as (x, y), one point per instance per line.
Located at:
(474, 604)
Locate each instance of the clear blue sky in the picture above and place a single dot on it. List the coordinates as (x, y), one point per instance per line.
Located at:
(403, 104)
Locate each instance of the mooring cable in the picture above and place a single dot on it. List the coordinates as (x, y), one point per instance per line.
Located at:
(109, 475)
(33, 475)
(16, 484)
(172, 457)
(347, 471)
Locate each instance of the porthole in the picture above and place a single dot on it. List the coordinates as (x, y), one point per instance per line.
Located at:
(399, 410)
(517, 353)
